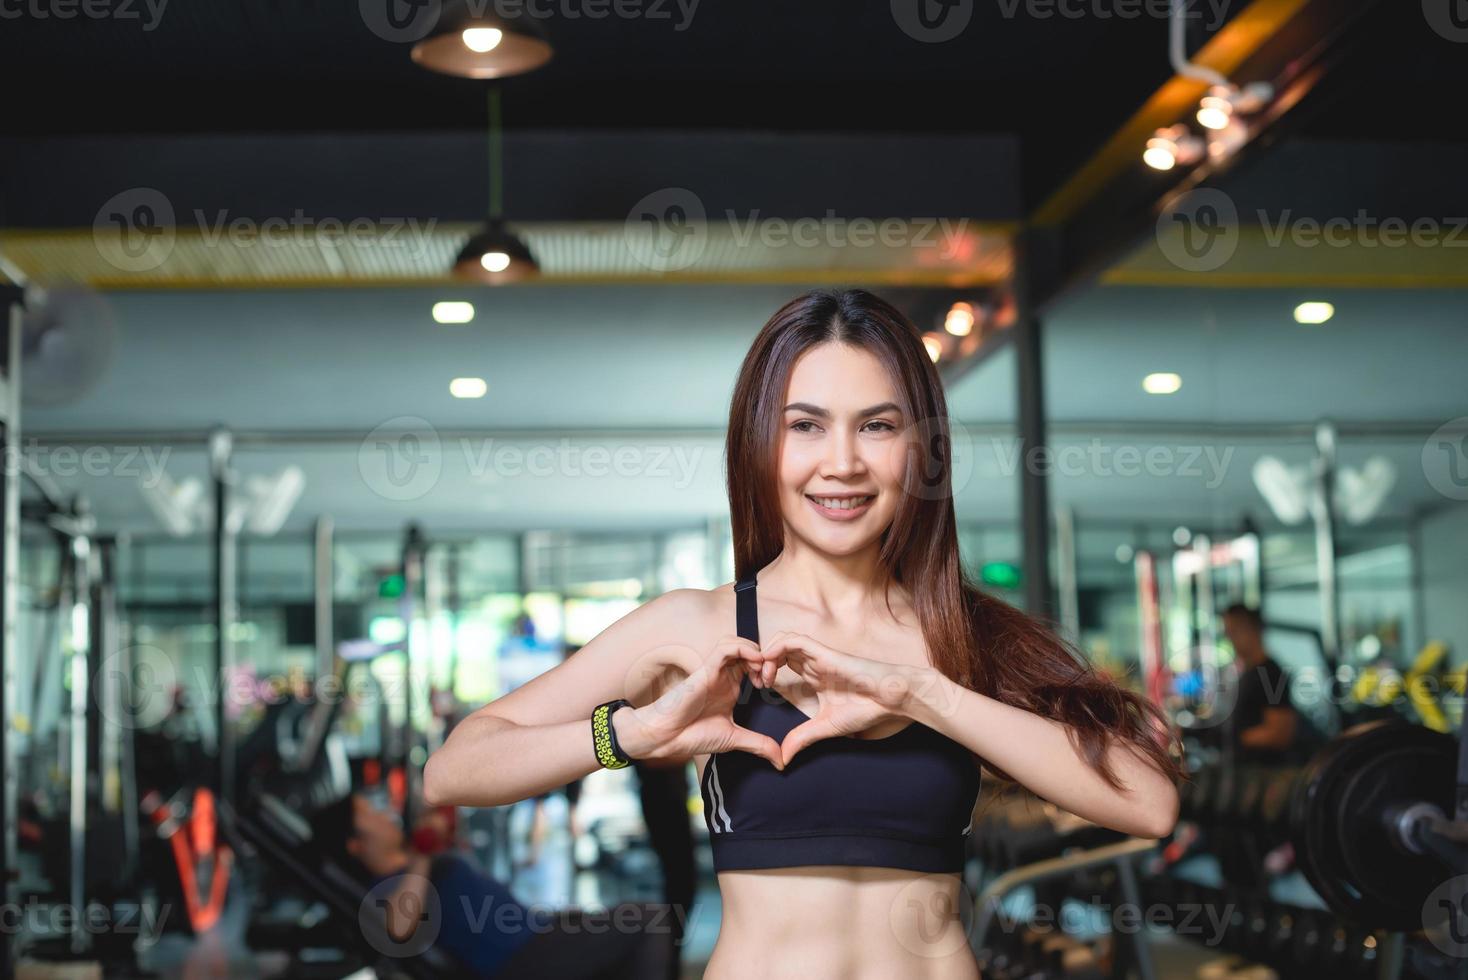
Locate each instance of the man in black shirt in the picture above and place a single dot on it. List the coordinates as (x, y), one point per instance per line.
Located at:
(1262, 724)
(1263, 717)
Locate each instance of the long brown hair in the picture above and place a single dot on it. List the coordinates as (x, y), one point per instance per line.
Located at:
(977, 640)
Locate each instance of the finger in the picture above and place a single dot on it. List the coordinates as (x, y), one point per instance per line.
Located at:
(759, 664)
(808, 645)
(734, 645)
(785, 642)
(735, 654)
(746, 740)
(802, 735)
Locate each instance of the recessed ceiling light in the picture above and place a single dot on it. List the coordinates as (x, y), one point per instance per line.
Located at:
(1162, 383)
(1314, 312)
(453, 311)
(468, 387)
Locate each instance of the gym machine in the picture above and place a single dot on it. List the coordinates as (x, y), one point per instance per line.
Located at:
(79, 745)
(1378, 820)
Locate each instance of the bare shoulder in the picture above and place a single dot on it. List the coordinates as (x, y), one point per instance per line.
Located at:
(691, 613)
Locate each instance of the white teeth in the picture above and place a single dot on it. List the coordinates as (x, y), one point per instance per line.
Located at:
(841, 503)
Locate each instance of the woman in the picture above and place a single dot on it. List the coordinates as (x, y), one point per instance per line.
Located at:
(839, 736)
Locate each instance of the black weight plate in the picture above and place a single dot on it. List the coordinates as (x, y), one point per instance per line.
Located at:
(1337, 811)
(1310, 810)
(1392, 882)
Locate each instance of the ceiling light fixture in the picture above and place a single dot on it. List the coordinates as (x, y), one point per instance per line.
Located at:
(453, 311)
(468, 387)
(1215, 110)
(1314, 312)
(1172, 147)
(1161, 383)
(1219, 110)
(960, 320)
(495, 255)
(483, 44)
(934, 343)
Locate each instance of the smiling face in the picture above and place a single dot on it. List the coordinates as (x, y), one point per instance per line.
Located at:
(841, 452)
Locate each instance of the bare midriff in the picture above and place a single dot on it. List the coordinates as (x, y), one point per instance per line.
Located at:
(824, 922)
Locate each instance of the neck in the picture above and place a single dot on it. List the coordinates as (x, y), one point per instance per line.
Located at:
(829, 584)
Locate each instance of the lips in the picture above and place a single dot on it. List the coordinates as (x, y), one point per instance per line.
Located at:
(841, 508)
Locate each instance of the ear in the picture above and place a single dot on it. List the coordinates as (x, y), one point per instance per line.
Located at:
(354, 846)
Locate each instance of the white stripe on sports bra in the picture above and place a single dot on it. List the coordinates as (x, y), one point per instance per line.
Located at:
(717, 793)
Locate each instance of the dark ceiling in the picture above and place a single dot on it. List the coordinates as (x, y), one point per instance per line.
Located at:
(1062, 83)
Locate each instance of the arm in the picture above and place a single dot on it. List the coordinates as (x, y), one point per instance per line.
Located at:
(1021, 742)
(1276, 731)
(854, 692)
(538, 737)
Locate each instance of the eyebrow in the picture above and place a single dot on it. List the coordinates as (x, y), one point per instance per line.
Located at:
(822, 413)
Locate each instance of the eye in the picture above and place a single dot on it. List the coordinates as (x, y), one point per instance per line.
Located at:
(885, 426)
(797, 426)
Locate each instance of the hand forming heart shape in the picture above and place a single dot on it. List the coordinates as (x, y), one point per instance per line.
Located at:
(852, 693)
(696, 715)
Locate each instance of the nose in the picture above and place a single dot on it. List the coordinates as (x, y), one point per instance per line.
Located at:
(843, 458)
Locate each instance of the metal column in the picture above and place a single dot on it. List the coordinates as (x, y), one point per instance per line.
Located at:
(416, 652)
(1034, 484)
(115, 677)
(324, 613)
(225, 610)
(1036, 262)
(454, 604)
(1322, 509)
(76, 630)
(324, 593)
(1067, 572)
(10, 543)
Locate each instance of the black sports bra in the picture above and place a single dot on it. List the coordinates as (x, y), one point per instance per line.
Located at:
(904, 801)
